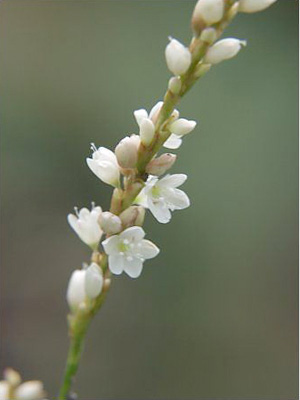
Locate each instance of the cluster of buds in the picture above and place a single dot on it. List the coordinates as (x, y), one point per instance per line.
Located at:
(12, 388)
(123, 241)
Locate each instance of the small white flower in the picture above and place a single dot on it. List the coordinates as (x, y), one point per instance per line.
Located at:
(161, 196)
(178, 128)
(110, 223)
(178, 57)
(31, 390)
(85, 223)
(223, 50)
(105, 166)
(4, 390)
(128, 250)
(208, 11)
(251, 6)
(84, 284)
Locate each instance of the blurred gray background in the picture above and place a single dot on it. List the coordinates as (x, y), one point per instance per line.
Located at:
(216, 314)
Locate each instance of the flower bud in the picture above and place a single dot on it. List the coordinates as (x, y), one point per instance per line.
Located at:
(31, 390)
(208, 35)
(175, 84)
(161, 164)
(126, 151)
(93, 281)
(182, 126)
(178, 57)
(251, 6)
(147, 131)
(201, 69)
(110, 223)
(12, 377)
(4, 390)
(223, 50)
(76, 289)
(206, 12)
(133, 216)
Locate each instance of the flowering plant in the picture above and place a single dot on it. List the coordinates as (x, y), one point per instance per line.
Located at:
(141, 180)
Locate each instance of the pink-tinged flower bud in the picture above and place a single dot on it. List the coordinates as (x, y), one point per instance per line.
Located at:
(110, 223)
(147, 131)
(161, 164)
(206, 12)
(251, 6)
(223, 50)
(133, 216)
(178, 57)
(126, 151)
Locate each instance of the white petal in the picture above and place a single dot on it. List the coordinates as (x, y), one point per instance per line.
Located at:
(76, 288)
(147, 249)
(134, 233)
(160, 211)
(173, 181)
(31, 390)
(182, 126)
(155, 110)
(141, 199)
(139, 115)
(110, 245)
(176, 199)
(93, 281)
(134, 267)
(107, 171)
(116, 263)
(173, 142)
(250, 6)
(147, 131)
(105, 154)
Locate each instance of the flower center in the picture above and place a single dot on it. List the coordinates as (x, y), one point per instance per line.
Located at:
(155, 191)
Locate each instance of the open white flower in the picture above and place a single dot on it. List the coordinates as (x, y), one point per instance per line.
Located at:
(84, 284)
(128, 250)
(86, 224)
(179, 127)
(104, 164)
(161, 196)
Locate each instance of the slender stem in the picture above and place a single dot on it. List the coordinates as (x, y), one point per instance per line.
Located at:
(123, 199)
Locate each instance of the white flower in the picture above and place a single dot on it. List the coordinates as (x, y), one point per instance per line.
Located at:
(223, 50)
(142, 114)
(128, 250)
(105, 166)
(208, 11)
(86, 225)
(110, 223)
(250, 6)
(127, 151)
(4, 390)
(147, 131)
(178, 128)
(31, 390)
(161, 196)
(178, 57)
(84, 284)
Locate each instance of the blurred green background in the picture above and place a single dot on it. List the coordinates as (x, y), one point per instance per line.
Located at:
(216, 314)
